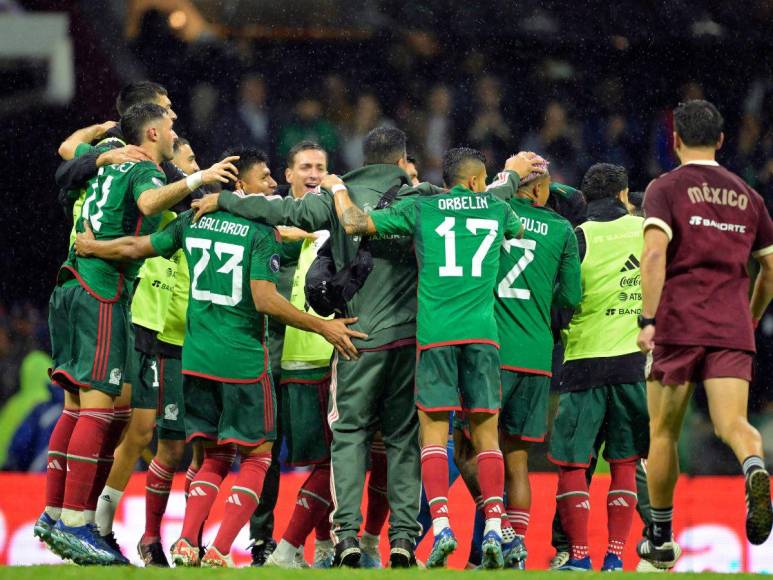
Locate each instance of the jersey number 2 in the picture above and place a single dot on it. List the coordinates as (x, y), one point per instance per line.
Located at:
(505, 289)
(446, 231)
(232, 266)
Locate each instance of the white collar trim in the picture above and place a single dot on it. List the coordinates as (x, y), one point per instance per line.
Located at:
(702, 162)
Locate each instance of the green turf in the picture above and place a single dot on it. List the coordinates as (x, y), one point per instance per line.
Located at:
(75, 573)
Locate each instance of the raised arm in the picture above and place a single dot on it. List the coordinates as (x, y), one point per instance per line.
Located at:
(268, 301)
(85, 135)
(352, 218)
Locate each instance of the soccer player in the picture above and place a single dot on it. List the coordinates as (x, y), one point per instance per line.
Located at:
(702, 223)
(88, 320)
(377, 388)
(457, 236)
(602, 381)
(229, 397)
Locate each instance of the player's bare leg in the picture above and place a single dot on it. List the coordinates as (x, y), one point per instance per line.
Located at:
(241, 503)
(484, 432)
(434, 475)
(728, 404)
(667, 406)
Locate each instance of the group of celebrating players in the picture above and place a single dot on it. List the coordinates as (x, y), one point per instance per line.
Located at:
(199, 324)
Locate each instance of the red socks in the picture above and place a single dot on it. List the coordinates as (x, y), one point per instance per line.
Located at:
(121, 416)
(158, 484)
(311, 507)
(83, 455)
(378, 505)
(573, 502)
(621, 503)
(491, 478)
(204, 489)
(56, 473)
(242, 499)
(519, 519)
(322, 529)
(190, 475)
(434, 476)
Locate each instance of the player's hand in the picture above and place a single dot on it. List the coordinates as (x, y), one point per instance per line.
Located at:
(290, 234)
(83, 240)
(128, 154)
(224, 171)
(525, 163)
(205, 205)
(337, 333)
(646, 338)
(330, 180)
(103, 128)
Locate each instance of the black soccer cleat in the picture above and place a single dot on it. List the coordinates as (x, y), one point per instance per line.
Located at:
(402, 554)
(152, 555)
(662, 557)
(759, 513)
(261, 550)
(347, 553)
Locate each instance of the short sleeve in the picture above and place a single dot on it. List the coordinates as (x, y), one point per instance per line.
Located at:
(513, 226)
(146, 176)
(264, 256)
(398, 219)
(657, 207)
(170, 239)
(763, 242)
(85, 148)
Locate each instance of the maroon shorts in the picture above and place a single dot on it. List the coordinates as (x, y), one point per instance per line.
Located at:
(675, 364)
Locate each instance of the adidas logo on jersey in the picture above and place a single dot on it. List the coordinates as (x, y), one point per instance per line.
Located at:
(620, 502)
(234, 499)
(632, 263)
(585, 504)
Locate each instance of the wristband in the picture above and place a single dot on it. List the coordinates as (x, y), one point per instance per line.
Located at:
(338, 187)
(194, 180)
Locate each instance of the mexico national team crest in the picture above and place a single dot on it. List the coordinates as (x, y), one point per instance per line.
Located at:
(274, 263)
(171, 412)
(115, 377)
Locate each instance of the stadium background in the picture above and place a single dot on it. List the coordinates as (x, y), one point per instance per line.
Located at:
(576, 82)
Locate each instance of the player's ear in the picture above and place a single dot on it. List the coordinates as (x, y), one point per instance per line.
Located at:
(288, 175)
(721, 141)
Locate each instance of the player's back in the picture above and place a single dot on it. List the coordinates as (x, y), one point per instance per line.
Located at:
(713, 219)
(224, 330)
(457, 237)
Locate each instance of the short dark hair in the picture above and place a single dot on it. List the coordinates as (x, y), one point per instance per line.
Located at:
(384, 145)
(248, 156)
(305, 145)
(411, 159)
(604, 180)
(180, 142)
(136, 94)
(456, 161)
(698, 123)
(136, 118)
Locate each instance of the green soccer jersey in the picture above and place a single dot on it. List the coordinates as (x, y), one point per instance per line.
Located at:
(225, 337)
(534, 271)
(112, 212)
(457, 237)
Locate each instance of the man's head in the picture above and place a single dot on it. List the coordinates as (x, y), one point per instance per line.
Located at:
(306, 166)
(143, 92)
(385, 145)
(412, 170)
(254, 174)
(605, 180)
(536, 186)
(697, 125)
(466, 167)
(184, 157)
(150, 126)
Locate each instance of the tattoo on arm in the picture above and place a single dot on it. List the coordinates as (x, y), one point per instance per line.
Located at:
(355, 220)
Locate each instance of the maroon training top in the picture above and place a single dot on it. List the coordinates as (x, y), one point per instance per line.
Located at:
(714, 221)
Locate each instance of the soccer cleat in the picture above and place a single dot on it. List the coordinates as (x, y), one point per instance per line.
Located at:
(515, 554)
(559, 560)
(662, 557)
(214, 559)
(371, 557)
(578, 565)
(185, 554)
(261, 550)
(491, 547)
(152, 555)
(108, 541)
(81, 544)
(401, 554)
(443, 546)
(323, 554)
(42, 528)
(347, 553)
(647, 566)
(759, 512)
(296, 561)
(612, 563)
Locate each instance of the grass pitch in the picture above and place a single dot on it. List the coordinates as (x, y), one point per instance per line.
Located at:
(95, 573)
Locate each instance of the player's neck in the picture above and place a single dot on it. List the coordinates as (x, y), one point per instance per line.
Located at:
(154, 155)
(688, 154)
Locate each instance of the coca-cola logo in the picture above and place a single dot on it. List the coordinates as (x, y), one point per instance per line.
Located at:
(630, 281)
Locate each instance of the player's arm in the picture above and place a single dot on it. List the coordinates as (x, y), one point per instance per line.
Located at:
(513, 226)
(85, 135)
(75, 173)
(352, 218)
(516, 168)
(653, 276)
(568, 291)
(119, 249)
(154, 200)
(763, 252)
